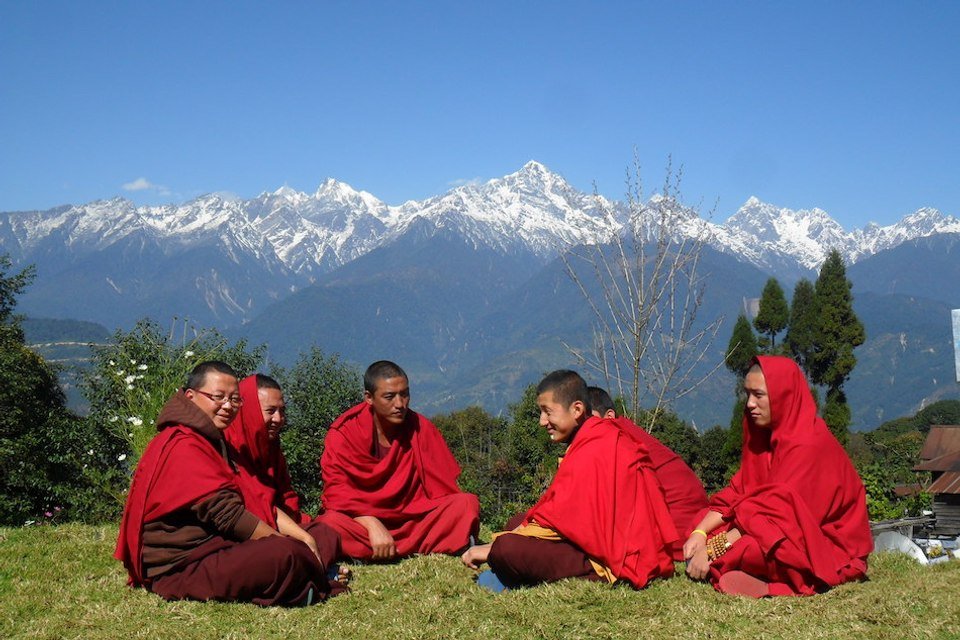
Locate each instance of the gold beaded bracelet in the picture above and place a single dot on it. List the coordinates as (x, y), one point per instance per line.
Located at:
(717, 546)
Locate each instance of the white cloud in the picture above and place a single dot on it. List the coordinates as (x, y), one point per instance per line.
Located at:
(464, 182)
(142, 184)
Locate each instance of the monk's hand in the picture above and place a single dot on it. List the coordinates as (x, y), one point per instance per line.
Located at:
(382, 543)
(698, 566)
(310, 542)
(694, 543)
(476, 555)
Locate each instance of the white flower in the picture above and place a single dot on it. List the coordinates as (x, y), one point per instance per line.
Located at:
(140, 377)
(112, 363)
(129, 387)
(90, 453)
(188, 354)
(121, 457)
(133, 362)
(114, 418)
(135, 420)
(121, 372)
(142, 367)
(130, 379)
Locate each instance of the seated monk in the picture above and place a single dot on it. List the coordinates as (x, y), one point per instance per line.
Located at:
(684, 493)
(254, 437)
(793, 520)
(389, 480)
(603, 517)
(191, 531)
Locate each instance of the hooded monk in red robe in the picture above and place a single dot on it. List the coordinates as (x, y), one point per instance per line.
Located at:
(682, 489)
(389, 480)
(794, 516)
(602, 518)
(191, 530)
(263, 475)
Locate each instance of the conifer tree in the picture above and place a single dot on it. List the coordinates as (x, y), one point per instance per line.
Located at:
(838, 333)
(801, 332)
(742, 347)
(773, 314)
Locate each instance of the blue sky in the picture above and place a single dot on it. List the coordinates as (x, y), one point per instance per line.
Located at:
(850, 107)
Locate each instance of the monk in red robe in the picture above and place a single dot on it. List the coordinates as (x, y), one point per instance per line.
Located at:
(389, 479)
(264, 478)
(190, 530)
(793, 520)
(603, 517)
(682, 489)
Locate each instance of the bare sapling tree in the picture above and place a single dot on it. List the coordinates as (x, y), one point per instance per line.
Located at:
(644, 289)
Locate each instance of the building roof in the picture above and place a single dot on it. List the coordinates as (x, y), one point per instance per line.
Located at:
(941, 441)
(949, 462)
(948, 482)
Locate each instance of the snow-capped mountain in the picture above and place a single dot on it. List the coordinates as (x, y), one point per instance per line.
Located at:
(285, 239)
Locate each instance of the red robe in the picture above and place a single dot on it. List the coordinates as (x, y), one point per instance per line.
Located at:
(178, 468)
(606, 500)
(412, 490)
(264, 477)
(797, 498)
(682, 489)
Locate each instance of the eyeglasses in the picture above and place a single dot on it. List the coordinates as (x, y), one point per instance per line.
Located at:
(221, 399)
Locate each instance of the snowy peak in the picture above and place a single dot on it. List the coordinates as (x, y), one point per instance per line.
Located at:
(531, 210)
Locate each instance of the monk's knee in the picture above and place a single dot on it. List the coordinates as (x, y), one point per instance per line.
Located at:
(328, 541)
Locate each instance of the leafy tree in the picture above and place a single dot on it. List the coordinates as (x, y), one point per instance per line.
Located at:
(317, 390)
(712, 465)
(773, 314)
(43, 447)
(475, 438)
(801, 333)
(838, 333)
(742, 347)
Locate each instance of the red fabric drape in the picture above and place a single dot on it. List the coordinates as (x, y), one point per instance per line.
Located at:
(178, 468)
(606, 500)
(682, 489)
(797, 495)
(416, 471)
(264, 476)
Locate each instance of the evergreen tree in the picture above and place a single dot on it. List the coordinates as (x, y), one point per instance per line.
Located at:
(773, 314)
(742, 347)
(838, 333)
(801, 332)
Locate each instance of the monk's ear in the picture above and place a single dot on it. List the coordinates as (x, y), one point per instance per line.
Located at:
(578, 409)
(610, 414)
(367, 397)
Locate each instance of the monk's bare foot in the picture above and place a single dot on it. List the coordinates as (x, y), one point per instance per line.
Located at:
(344, 575)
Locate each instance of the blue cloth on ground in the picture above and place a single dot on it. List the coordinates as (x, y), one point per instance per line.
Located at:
(489, 580)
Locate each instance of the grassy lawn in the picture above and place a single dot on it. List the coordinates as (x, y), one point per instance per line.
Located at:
(61, 582)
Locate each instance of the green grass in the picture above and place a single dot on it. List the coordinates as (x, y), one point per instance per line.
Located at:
(61, 582)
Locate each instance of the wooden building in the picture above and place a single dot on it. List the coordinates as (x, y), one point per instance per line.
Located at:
(941, 457)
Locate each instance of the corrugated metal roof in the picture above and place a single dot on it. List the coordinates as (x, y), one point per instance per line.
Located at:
(941, 440)
(949, 462)
(949, 482)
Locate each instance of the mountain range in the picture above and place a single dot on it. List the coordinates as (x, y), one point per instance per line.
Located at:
(467, 289)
